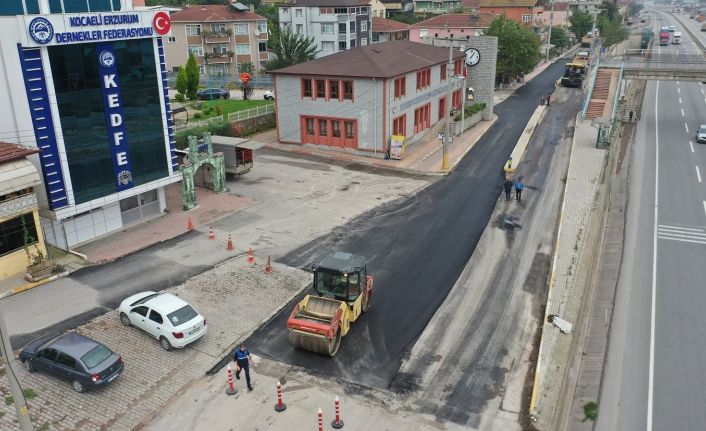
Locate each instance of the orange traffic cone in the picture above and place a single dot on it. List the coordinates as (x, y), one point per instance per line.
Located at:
(190, 225)
(268, 267)
(251, 257)
(211, 235)
(230, 244)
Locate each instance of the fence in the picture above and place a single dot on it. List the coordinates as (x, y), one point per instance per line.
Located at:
(222, 81)
(243, 114)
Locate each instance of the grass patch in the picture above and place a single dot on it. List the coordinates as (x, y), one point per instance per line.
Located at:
(211, 108)
(29, 395)
(591, 411)
(9, 400)
(44, 427)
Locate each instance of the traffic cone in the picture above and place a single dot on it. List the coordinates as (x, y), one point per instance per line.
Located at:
(251, 257)
(190, 225)
(338, 422)
(211, 235)
(268, 267)
(230, 244)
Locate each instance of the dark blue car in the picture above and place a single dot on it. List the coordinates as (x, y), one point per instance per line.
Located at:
(213, 93)
(86, 363)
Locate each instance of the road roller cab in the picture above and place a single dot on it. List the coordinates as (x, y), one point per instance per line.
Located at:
(342, 292)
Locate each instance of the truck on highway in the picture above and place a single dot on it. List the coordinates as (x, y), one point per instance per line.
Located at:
(587, 41)
(703, 27)
(676, 38)
(663, 38)
(646, 38)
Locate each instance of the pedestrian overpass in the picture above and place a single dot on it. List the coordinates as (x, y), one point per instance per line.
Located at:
(656, 64)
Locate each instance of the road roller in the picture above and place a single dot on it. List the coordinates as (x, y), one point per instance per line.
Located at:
(342, 291)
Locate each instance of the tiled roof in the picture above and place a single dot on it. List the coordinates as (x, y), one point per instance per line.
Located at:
(325, 3)
(212, 13)
(10, 152)
(507, 3)
(380, 60)
(384, 25)
(457, 20)
(470, 4)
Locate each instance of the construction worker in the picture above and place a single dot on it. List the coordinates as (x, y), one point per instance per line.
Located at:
(507, 185)
(241, 356)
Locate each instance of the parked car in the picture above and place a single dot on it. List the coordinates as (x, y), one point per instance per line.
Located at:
(269, 95)
(213, 93)
(164, 316)
(701, 134)
(86, 363)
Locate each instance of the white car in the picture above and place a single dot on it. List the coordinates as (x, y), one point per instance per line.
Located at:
(701, 134)
(269, 95)
(164, 316)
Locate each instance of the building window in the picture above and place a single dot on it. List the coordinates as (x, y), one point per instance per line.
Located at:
(202, 70)
(327, 28)
(300, 28)
(399, 126)
(323, 130)
(328, 46)
(242, 48)
(422, 118)
(340, 11)
(364, 41)
(423, 79)
(262, 27)
(444, 72)
(262, 47)
(456, 99)
(240, 28)
(442, 108)
(335, 128)
(352, 26)
(526, 17)
(349, 129)
(12, 233)
(333, 90)
(171, 39)
(298, 13)
(285, 10)
(197, 50)
(376, 37)
(400, 87)
(347, 90)
(193, 30)
(306, 88)
(320, 88)
(342, 28)
(310, 126)
(458, 67)
(325, 10)
(352, 43)
(220, 48)
(342, 46)
(364, 26)
(218, 28)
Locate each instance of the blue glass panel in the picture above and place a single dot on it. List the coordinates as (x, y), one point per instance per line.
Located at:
(11, 7)
(71, 6)
(55, 6)
(99, 5)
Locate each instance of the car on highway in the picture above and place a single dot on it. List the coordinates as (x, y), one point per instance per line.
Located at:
(85, 362)
(671, 29)
(213, 93)
(166, 317)
(701, 134)
(269, 95)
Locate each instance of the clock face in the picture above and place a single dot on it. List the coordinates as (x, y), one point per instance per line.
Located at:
(472, 56)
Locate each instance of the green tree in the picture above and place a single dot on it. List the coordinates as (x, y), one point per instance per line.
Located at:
(610, 11)
(518, 47)
(634, 9)
(581, 22)
(192, 76)
(612, 32)
(291, 48)
(181, 81)
(559, 38)
(246, 68)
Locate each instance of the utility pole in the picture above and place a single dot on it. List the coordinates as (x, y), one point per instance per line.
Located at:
(17, 394)
(447, 136)
(549, 36)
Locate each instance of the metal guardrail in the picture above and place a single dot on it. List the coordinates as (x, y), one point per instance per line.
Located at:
(590, 89)
(243, 114)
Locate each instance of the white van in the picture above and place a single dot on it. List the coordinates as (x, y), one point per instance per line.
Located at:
(676, 38)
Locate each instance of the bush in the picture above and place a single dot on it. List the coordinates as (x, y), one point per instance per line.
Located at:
(470, 110)
(197, 115)
(180, 98)
(222, 128)
(219, 109)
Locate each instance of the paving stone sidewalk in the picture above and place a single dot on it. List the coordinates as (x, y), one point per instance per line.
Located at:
(234, 297)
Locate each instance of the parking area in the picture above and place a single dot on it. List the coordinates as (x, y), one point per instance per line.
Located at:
(235, 298)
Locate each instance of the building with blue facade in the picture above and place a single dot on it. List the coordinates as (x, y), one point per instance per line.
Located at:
(84, 81)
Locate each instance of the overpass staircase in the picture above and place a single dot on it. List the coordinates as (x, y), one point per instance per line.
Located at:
(600, 97)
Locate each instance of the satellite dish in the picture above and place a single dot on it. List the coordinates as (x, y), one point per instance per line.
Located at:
(257, 32)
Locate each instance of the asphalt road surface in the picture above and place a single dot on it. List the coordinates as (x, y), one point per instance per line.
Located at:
(417, 248)
(654, 376)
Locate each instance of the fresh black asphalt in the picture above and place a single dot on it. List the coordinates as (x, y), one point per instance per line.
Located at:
(417, 248)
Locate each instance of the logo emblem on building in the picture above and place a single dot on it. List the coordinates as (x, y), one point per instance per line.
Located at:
(125, 177)
(161, 23)
(106, 58)
(41, 30)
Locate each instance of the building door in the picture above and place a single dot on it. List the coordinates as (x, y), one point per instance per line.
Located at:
(350, 137)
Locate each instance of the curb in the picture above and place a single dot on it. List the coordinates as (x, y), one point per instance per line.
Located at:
(32, 284)
(520, 149)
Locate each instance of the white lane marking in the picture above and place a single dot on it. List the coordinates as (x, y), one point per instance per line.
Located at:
(680, 100)
(651, 381)
(681, 228)
(691, 145)
(698, 174)
(686, 127)
(683, 240)
(682, 112)
(678, 90)
(702, 91)
(705, 206)
(691, 235)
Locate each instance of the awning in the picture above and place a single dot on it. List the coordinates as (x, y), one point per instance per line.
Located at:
(236, 142)
(17, 175)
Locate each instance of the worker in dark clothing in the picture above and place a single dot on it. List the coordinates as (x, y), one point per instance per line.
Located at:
(519, 186)
(549, 99)
(241, 356)
(508, 188)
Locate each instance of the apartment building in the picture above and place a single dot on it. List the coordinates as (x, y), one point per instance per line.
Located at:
(335, 25)
(385, 30)
(450, 25)
(527, 12)
(220, 36)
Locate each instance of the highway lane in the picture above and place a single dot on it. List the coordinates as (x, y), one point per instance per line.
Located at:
(662, 285)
